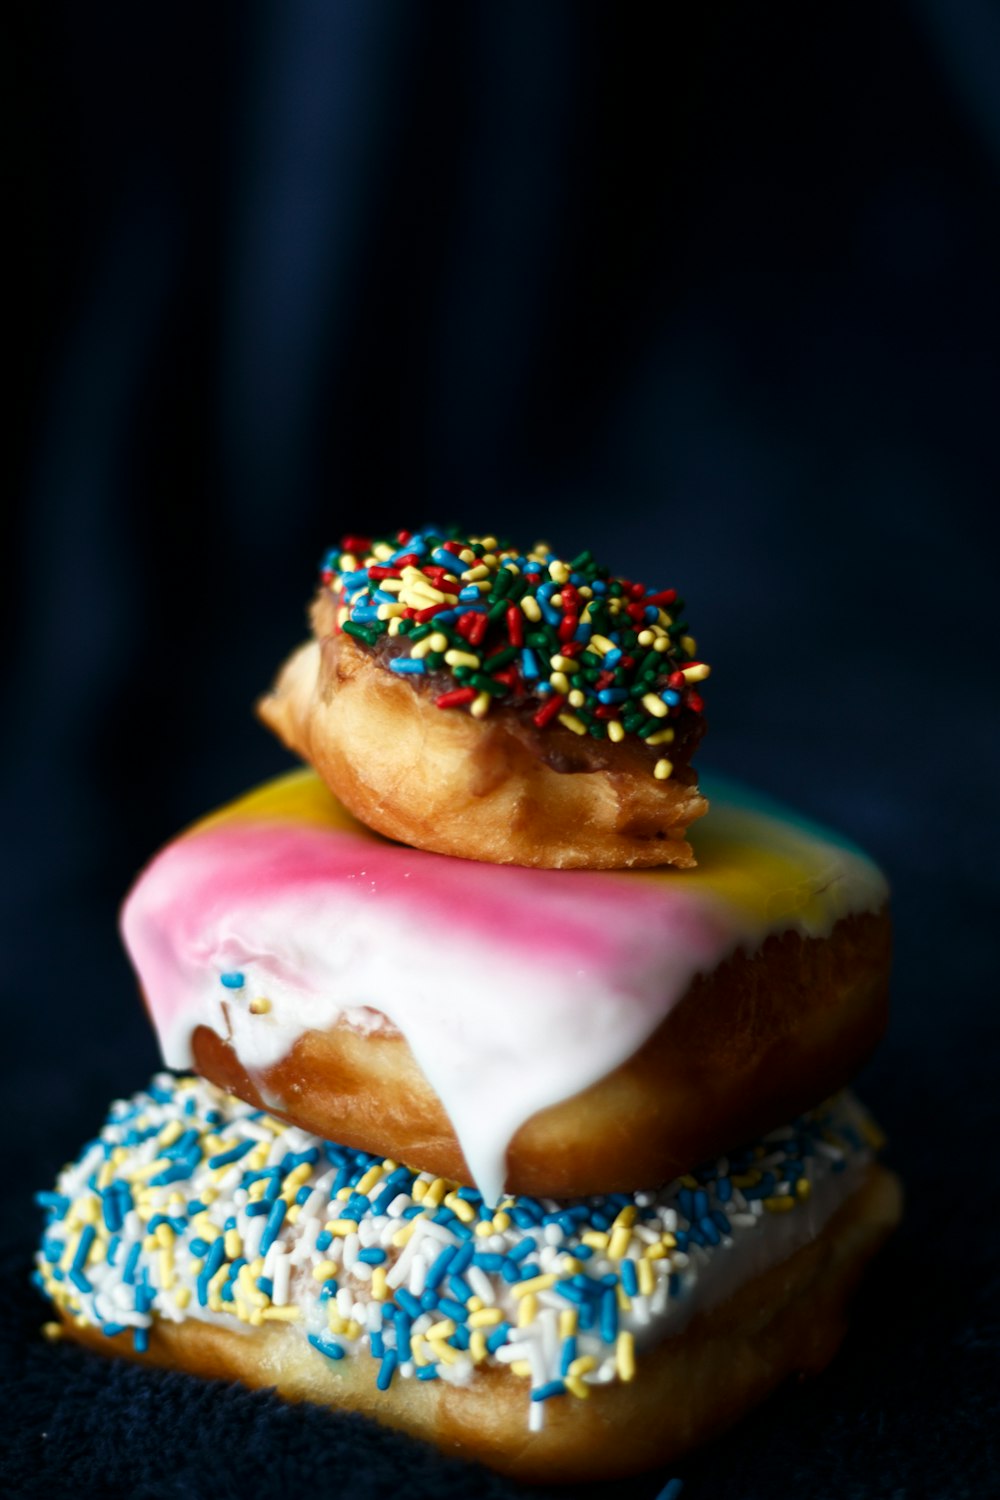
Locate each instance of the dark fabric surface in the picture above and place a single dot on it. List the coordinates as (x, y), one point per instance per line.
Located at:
(718, 299)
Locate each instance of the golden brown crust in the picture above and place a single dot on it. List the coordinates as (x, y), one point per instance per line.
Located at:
(788, 1320)
(749, 1046)
(444, 781)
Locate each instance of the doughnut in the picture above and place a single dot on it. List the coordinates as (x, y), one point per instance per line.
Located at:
(543, 1032)
(472, 700)
(554, 1340)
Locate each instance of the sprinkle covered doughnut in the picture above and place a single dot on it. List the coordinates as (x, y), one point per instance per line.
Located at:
(473, 700)
(551, 1339)
(546, 1032)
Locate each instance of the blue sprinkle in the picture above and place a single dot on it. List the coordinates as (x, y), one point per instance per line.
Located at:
(409, 664)
(140, 1340)
(436, 1274)
(324, 1240)
(671, 1490)
(529, 664)
(56, 1203)
(235, 1153)
(612, 658)
(609, 1316)
(453, 1309)
(79, 1280)
(469, 595)
(460, 1338)
(271, 1228)
(53, 1249)
(464, 1257)
(458, 1286)
(428, 1301)
(389, 1362)
(112, 1330)
(526, 1247)
(498, 1337)
(568, 1355)
(427, 1372)
(551, 1388)
(131, 1261)
(233, 980)
(408, 1302)
(377, 1345)
(583, 1252)
(373, 1256)
(488, 1260)
(723, 1190)
(327, 1347)
(265, 1285)
(671, 697)
(612, 695)
(629, 1279)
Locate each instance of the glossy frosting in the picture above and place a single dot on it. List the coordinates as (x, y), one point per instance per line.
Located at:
(515, 988)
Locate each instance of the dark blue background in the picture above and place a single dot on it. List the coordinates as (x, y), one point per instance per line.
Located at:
(711, 289)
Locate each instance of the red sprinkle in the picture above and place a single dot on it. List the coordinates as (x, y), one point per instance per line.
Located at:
(567, 628)
(454, 547)
(636, 611)
(606, 711)
(515, 625)
(548, 711)
(408, 560)
(663, 598)
(454, 699)
(376, 573)
(604, 681)
(572, 648)
(428, 614)
(696, 702)
(676, 680)
(479, 627)
(508, 677)
(402, 537)
(356, 544)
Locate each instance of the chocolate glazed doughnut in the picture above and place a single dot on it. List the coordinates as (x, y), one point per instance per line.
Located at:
(469, 699)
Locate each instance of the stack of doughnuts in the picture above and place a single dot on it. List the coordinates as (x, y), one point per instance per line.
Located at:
(510, 1054)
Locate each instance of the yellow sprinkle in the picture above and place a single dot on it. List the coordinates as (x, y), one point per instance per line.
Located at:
(347, 564)
(105, 1176)
(572, 722)
(170, 1133)
(456, 658)
(803, 1187)
(293, 1212)
(779, 1205)
(582, 1366)
(602, 644)
(260, 1006)
(482, 1230)
(570, 1266)
(654, 705)
(196, 1266)
(341, 1227)
(616, 731)
(625, 1217)
(689, 644)
(564, 664)
(501, 1221)
(324, 1269)
(646, 1277)
(560, 682)
(401, 1236)
(530, 607)
(697, 672)
(472, 575)
(443, 1330)
(441, 1350)
(379, 1289)
(623, 1299)
(475, 1304)
(576, 699)
(625, 1355)
(389, 611)
(618, 1248)
(485, 1317)
(520, 1367)
(558, 572)
(280, 1314)
(149, 1244)
(662, 642)
(460, 1208)
(234, 1243)
(527, 1312)
(576, 1386)
(477, 1346)
(52, 1331)
(216, 1283)
(419, 1190)
(419, 1357)
(661, 737)
(368, 1181)
(534, 1284)
(166, 1269)
(646, 637)
(873, 1135)
(182, 1296)
(434, 1194)
(663, 769)
(568, 1320)
(480, 705)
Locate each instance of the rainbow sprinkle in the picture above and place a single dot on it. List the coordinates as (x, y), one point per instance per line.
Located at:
(566, 642)
(192, 1204)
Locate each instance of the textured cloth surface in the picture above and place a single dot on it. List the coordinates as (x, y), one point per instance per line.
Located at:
(721, 304)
